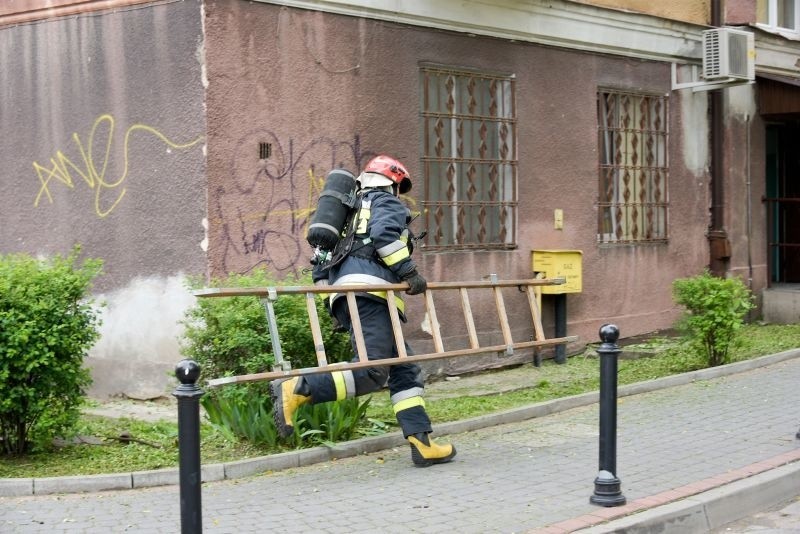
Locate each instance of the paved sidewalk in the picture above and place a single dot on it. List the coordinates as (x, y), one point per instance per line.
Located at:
(689, 458)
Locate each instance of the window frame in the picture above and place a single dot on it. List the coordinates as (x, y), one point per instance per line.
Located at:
(449, 215)
(772, 23)
(655, 205)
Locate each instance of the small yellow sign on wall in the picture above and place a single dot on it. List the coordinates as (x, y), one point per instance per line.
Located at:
(565, 264)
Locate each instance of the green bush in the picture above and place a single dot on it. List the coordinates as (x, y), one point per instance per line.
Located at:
(47, 324)
(230, 336)
(715, 311)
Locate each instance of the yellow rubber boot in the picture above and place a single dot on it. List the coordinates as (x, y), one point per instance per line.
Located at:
(425, 452)
(284, 403)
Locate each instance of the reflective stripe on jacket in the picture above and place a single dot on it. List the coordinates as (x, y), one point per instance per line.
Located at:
(381, 223)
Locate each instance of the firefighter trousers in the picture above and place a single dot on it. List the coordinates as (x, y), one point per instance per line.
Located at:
(405, 382)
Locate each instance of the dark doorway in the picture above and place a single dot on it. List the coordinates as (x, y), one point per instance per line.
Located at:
(783, 201)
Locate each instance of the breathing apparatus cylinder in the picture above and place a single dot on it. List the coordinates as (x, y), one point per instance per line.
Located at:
(336, 200)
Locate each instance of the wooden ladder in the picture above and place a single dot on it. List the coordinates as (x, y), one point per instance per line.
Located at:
(282, 368)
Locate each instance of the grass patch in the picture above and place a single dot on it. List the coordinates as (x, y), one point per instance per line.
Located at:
(116, 456)
(552, 381)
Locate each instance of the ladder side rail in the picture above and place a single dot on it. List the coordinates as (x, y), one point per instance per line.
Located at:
(384, 362)
(289, 290)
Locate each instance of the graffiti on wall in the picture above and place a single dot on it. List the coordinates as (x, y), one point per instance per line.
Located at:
(92, 162)
(263, 213)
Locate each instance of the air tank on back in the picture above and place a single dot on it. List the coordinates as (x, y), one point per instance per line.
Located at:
(335, 201)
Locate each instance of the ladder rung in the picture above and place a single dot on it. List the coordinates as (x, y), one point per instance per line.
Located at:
(501, 314)
(433, 319)
(537, 320)
(352, 306)
(396, 328)
(473, 335)
(316, 331)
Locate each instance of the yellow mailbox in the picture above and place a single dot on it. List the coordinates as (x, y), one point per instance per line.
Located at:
(565, 264)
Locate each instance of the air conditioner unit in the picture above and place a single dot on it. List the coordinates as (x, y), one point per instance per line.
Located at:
(728, 54)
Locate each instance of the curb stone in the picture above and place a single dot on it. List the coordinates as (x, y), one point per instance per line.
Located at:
(82, 483)
(711, 509)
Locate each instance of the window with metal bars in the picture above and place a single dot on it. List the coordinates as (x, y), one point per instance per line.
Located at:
(469, 159)
(633, 142)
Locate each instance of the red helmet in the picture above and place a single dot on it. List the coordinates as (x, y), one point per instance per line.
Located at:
(391, 169)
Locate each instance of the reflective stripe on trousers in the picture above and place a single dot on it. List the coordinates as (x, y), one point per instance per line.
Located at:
(404, 380)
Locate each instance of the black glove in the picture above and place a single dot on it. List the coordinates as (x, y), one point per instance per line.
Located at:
(416, 284)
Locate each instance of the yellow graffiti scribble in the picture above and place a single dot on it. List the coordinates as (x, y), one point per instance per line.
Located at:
(315, 186)
(62, 167)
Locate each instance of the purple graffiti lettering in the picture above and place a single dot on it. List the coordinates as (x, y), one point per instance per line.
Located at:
(274, 199)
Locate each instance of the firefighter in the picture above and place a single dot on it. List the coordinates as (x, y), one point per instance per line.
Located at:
(376, 250)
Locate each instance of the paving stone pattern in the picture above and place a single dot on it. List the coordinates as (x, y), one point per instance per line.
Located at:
(510, 478)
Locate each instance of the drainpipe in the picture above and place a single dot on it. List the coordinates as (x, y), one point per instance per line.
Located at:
(719, 245)
(749, 185)
(749, 214)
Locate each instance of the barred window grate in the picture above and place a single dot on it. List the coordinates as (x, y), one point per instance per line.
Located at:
(633, 143)
(469, 159)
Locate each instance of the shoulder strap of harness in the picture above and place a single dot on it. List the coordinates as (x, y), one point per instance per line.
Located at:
(345, 245)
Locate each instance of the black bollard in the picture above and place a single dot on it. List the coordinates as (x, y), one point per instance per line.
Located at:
(607, 490)
(560, 317)
(188, 394)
